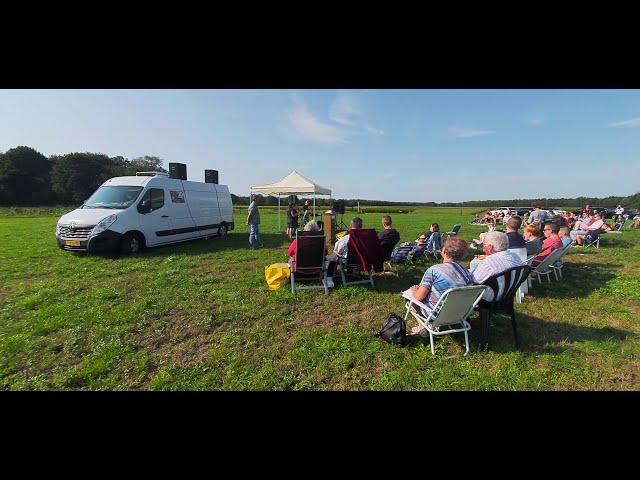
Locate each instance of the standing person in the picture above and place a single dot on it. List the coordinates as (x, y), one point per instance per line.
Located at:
(538, 215)
(253, 220)
(388, 237)
(292, 219)
(305, 212)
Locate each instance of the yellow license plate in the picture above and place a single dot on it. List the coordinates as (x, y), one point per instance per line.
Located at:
(72, 243)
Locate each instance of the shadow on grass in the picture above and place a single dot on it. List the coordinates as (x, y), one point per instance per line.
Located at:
(535, 334)
(579, 280)
(232, 241)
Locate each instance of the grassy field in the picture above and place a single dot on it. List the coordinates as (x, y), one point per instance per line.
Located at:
(198, 315)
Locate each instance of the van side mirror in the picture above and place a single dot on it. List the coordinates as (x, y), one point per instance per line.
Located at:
(144, 207)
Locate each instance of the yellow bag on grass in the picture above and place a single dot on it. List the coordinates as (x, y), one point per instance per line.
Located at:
(277, 275)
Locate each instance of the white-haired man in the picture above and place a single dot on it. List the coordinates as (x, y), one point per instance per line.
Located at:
(496, 259)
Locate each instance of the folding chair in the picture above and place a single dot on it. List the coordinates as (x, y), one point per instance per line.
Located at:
(545, 267)
(453, 308)
(400, 255)
(308, 263)
(454, 231)
(592, 239)
(504, 287)
(364, 256)
(558, 265)
(524, 287)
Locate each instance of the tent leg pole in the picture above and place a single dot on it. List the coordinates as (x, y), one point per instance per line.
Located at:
(314, 205)
(278, 212)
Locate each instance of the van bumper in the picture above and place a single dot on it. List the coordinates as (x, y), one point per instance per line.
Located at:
(106, 241)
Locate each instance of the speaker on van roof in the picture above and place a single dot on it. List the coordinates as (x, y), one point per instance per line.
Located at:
(211, 176)
(178, 171)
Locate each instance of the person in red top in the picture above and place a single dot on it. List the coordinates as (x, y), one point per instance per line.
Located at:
(552, 242)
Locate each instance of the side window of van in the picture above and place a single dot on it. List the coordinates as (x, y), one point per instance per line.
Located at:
(157, 198)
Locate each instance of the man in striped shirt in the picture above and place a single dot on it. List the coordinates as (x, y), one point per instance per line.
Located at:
(496, 259)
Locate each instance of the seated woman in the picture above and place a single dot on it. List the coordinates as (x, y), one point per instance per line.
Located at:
(439, 278)
(311, 226)
(534, 237)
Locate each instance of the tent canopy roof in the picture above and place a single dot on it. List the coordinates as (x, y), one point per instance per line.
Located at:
(294, 183)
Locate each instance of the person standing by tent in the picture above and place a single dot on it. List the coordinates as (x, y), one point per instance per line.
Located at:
(253, 220)
(305, 212)
(292, 219)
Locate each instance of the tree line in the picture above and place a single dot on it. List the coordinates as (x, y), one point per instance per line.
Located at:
(28, 177)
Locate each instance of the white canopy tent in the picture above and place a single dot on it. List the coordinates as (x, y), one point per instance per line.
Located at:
(292, 184)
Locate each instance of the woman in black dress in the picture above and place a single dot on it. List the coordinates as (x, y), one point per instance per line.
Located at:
(292, 220)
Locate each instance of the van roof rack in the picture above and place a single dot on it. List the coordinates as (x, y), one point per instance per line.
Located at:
(151, 174)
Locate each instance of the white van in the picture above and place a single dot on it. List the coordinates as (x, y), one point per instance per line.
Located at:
(128, 213)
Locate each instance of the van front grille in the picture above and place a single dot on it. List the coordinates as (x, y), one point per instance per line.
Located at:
(77, 233)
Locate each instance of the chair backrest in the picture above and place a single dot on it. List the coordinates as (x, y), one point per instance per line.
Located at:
(549, 260)
(364, 249)
(400, 254)
(417, 252)
(309, 251)
(455, 229)
(456, 304)
(505, 284)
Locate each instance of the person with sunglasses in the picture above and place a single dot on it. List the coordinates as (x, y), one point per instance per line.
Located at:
(552, 242)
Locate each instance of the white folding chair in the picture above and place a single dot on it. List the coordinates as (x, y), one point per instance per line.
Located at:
(544, 267)
(558, 265)
(453, 308)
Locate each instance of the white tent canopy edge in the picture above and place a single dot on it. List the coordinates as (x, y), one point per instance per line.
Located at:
(292, 184)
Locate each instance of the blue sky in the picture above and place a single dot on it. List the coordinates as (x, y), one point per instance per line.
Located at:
(400, 145)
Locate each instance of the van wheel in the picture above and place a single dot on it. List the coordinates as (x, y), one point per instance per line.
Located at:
(222, 230)
(131, 243)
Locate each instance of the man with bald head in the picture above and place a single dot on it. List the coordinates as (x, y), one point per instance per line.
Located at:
(496, 259)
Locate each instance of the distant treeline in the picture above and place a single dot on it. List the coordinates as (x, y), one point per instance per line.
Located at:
(28, 177)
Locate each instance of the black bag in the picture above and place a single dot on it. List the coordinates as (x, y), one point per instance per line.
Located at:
(394, 331)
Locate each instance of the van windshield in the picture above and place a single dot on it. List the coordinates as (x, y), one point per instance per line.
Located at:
(116, 197)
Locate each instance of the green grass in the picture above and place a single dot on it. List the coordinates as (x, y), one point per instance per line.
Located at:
(198, 315)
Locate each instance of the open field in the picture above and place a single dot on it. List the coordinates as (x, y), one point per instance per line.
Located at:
(198, 315)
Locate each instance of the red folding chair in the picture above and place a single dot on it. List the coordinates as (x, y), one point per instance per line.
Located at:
(364, 256)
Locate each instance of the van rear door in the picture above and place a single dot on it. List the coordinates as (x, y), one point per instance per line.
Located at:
(203, 204)
(225, 204)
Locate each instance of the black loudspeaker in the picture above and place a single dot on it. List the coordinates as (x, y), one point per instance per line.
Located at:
(211, 176)
(339, 206)
(178, 171)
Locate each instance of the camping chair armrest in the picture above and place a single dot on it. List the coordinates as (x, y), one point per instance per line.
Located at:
(416, 302)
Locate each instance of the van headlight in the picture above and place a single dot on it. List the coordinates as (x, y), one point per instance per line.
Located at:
(104, 224)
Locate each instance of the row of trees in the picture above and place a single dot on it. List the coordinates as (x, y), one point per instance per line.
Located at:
(27, 177)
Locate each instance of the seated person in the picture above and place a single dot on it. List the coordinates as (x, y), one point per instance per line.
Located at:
(563, 233)
(441, 277)
(434, 228)
(340, 252)
(496, 259)
(311, 226)
(389, 237)
(533, 236)
(595, 225)
(552, 242)
(477, 219)
(515, 239)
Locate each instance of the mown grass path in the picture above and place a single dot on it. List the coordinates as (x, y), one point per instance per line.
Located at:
(198, 315)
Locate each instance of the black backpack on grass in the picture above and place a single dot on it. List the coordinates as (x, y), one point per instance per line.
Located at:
(394, 331)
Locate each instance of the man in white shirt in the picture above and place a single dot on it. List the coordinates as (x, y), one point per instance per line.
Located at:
(496, 259)
(596, 225)
(340, 251)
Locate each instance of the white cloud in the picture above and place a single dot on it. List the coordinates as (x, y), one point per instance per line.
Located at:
(634, 122)
(536, 122)
(458, 132)
(343, 110)
(373, 130)
(310, 127)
